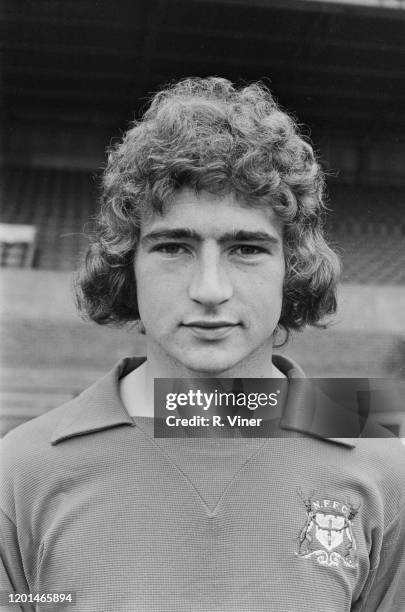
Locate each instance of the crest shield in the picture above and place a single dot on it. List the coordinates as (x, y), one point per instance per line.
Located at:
(327, 535)
(329, 530)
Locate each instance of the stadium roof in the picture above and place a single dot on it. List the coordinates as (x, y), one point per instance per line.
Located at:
(336, 64)
(390, 4)
(325, 5)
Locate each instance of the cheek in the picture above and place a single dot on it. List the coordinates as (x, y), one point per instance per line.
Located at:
(158, 294)
(264, 288)
(264, 298)
(146, 292)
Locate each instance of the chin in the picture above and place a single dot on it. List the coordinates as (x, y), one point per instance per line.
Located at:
(209, 366)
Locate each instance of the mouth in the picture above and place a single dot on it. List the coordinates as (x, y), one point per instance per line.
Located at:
(211, 330)
(210, 324)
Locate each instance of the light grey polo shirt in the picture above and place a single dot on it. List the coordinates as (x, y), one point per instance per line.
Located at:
(92, 503)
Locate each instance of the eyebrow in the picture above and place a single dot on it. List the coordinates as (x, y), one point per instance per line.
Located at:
(184, 233)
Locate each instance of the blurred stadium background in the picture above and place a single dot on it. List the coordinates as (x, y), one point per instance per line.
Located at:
(74, 73)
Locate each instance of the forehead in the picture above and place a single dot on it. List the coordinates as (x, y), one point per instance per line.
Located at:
(213, 215)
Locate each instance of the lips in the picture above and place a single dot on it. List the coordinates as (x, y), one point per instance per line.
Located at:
(210, 324)
(211, 330)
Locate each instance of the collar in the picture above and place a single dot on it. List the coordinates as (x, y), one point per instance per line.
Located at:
(99, 407)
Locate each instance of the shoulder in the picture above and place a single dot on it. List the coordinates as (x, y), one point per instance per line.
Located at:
(385, 452)
(28, 459)
(34, 436)
(97, 407)
(381, 464)
(37, 446)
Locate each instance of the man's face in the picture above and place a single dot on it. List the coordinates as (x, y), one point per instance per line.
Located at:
(209, 276)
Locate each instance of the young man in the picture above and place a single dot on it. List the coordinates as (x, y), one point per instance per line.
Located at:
(210, 236)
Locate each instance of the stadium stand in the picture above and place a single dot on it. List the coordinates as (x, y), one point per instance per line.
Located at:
(59, 203)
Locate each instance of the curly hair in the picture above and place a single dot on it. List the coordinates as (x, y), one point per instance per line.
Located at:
(207, 135)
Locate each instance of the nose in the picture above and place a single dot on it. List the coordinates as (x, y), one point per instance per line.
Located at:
(210, 283)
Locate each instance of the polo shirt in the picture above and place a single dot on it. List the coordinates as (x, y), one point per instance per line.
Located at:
(91, 503)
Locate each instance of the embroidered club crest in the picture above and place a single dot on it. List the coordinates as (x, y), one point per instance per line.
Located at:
(327, 535)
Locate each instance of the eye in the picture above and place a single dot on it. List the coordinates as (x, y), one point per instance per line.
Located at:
(171, 249)
(247, 250)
